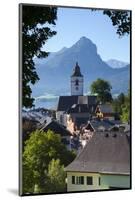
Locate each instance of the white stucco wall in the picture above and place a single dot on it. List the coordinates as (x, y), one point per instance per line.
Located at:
(106, 181)
(84, 187)
(121, 181)
(58, 116)
(80, 86)
(61, 117)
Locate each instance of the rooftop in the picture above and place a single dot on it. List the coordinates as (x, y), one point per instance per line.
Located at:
(57, 128)
(66, 102)
(97, 123)
(81, 108)
(104, 153)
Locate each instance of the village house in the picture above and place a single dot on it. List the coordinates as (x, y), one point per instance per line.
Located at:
(77, 116)
(61, 130)
(101, 125)
(103, 164)
(105, 111)
(86, 133)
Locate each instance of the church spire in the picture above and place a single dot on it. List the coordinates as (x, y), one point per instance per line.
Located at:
(76, 71)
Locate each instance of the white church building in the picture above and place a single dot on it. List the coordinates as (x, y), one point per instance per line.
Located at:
(77, 82)
(76, 104)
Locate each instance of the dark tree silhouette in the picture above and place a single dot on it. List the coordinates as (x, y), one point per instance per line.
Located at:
(36, 31)
(120, 19)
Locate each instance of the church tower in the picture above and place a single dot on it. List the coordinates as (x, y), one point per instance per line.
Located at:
(76, 81)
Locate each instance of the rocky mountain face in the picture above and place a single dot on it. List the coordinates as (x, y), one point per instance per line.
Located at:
(55, 71)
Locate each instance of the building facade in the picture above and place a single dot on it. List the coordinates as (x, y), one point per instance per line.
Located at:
(75, 104)
(104, 163)
(76, 81)
(86, 181)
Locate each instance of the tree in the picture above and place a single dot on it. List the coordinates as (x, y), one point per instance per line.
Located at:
(36, 31)
(39, 151)
(125, 116)
(28, 126)
(121, 105)
(121, 98)
(118, 102)
(103, 90)
(120, 19)
(56, 176)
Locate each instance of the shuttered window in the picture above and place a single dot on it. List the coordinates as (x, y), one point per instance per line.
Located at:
(89, 180)
(99, 181)
(73, 179)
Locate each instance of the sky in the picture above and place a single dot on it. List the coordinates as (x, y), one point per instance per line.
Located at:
(72, 24)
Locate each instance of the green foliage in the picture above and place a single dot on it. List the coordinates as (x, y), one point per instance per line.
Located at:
(39, 151)
(56, 177)
(120, 19)
(28, 179)
(28, 126)
(125, 116)
(103, 89)
(121, 105)
(118, 102)
(36, 31)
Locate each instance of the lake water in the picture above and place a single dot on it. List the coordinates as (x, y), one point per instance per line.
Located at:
(52, 104)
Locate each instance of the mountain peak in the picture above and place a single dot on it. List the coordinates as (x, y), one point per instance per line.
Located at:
(60, 65)
(116, 63)
(85, 43)
(84, 38)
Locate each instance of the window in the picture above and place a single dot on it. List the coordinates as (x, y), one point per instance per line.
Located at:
(73, 179)
(76, 82)
(89, 180)
(99, 181)
(79, 180)
(61, 119)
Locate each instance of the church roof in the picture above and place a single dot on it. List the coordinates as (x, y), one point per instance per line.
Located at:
(81, 108)
(66, 102)
(104, 154)
(76, 71)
